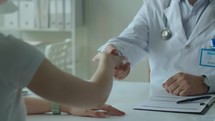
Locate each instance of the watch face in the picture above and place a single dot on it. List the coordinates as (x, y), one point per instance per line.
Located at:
(206, 81)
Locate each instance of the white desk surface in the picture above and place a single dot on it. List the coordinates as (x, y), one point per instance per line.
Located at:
(124, 96)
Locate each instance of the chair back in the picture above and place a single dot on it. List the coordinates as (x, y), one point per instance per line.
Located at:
(60, 54)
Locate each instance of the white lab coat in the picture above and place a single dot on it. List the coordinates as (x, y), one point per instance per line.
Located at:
(166, 58)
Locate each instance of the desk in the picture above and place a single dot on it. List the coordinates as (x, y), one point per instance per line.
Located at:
(124, 96)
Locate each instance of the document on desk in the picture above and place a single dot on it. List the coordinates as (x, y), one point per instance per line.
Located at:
(178, 104)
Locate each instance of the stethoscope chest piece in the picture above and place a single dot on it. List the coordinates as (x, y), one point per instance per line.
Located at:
(166, 34)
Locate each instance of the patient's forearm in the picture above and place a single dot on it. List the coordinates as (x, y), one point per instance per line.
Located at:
(53, 84)
(103, 79)
(40, 106)
(36, 105)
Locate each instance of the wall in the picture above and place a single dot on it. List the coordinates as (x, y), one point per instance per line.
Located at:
(105, 19)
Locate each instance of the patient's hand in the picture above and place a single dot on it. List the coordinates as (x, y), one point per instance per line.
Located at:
(101, 112)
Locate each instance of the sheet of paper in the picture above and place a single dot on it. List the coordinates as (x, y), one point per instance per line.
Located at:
(170, 106)
(168, 103)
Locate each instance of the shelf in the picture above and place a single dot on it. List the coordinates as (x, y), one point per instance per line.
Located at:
(50, 16)
(35, 30)
(46, 22)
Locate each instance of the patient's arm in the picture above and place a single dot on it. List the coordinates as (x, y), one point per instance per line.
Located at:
(39, 106)
(53, 84)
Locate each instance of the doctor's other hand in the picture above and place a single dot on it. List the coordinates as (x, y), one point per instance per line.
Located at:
(182, 84)
(101, 112)
(122, 71)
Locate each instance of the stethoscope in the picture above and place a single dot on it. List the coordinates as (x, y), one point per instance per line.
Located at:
(166, 33)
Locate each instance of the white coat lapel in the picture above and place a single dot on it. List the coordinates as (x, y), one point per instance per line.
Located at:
(173, 15)
(207, 18)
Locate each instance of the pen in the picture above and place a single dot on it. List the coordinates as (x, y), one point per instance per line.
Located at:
(193, 99)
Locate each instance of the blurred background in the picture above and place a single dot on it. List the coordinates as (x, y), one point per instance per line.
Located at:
(84, 25)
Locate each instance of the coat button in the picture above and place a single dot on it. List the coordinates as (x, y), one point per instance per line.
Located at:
(187, 46)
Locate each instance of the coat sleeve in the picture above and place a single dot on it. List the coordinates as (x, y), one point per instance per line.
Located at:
(133, 41)
(211, 78)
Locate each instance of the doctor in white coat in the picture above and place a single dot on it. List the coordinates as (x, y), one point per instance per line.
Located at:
(176, 35)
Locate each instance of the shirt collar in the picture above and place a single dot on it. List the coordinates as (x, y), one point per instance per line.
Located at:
(184, 0)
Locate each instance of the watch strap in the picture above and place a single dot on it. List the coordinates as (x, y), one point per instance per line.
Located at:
(206, 81)
(55, 107)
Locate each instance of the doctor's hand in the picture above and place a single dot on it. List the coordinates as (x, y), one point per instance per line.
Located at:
(182, 84)
(101, 112)
(122, 71)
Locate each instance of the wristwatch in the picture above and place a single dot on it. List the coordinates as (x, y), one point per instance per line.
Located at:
(206, 81)
(55, 108)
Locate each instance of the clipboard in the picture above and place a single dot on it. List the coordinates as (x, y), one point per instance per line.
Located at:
(168, 104)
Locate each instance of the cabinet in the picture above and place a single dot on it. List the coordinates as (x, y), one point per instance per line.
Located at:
(48, 24)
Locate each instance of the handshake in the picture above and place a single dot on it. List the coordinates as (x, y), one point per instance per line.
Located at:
(112, 55)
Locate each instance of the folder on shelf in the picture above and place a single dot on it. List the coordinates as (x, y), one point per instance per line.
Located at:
(60, 14)
(37, 13)
(53, 13)
(78, 13)
(26, 16)
(68, 14)
(11, 20)
(44, 13)
(169, 103)
(41, 13)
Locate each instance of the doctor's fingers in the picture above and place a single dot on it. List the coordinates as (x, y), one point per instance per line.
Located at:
(121, 76)
(177, 77)
(122, 73)
(169, 82)
(122, 68)
(173, 87)
(177, 91)
(121, 62)
(174, 83)
(180, 87)
(111, 49)
(181, 92)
